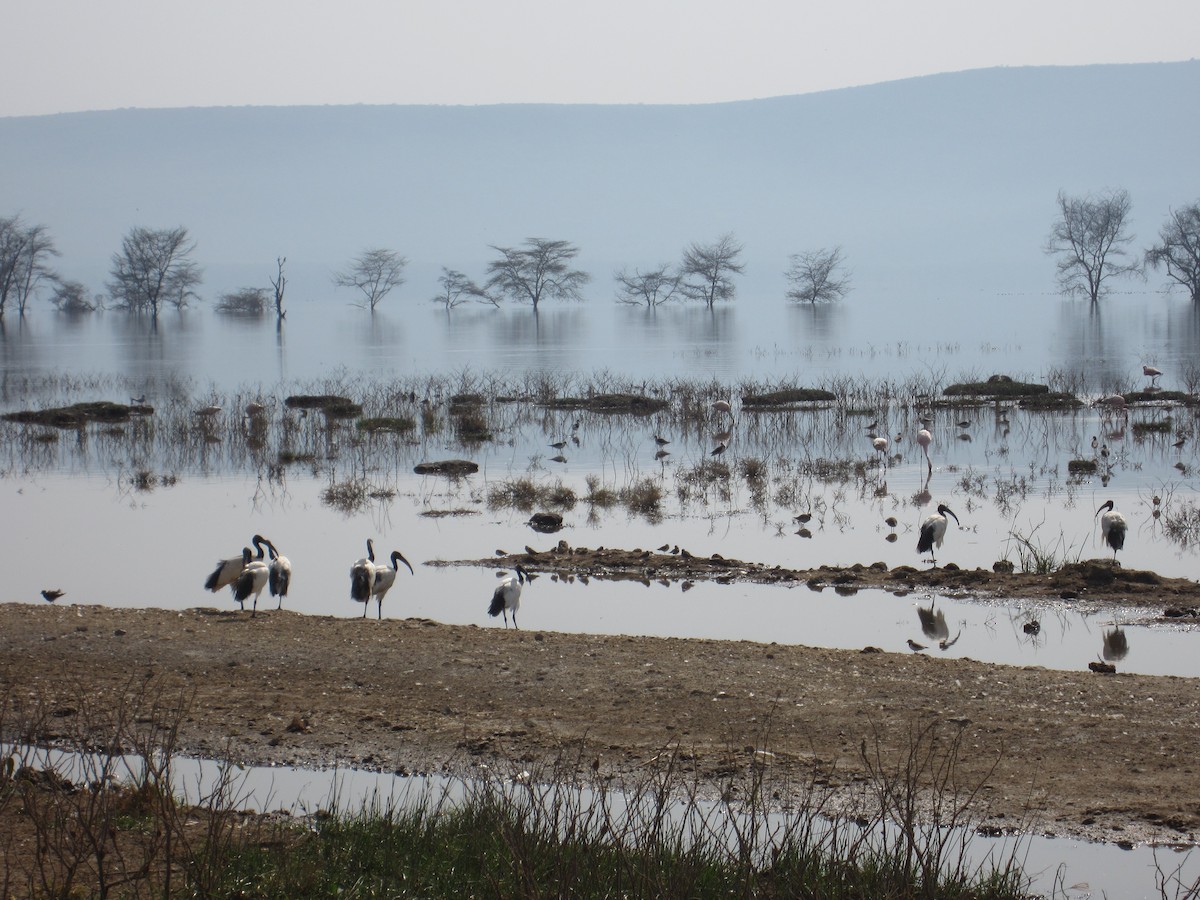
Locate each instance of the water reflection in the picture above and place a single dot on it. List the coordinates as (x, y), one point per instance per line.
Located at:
(1115, 644)
(820, 322)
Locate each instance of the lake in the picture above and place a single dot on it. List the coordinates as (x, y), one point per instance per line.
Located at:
(167, 496)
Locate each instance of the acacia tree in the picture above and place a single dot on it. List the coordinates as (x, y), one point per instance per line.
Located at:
(539, 270)
(652, 288)
(816, 276)
(1089, 239)
(1179, 250)
(707, 269)
(153, 268)
(458, 289)
(24, 250)
(375, 273)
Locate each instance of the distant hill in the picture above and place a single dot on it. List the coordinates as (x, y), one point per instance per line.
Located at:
(946, 177)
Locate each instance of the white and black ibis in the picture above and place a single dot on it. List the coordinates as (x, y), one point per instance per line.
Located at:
(507, 596)
(228, 570)
(280, 575)
(362, 577)
(252, 579)
(385, 578)
(1112, 527)
(933, 531)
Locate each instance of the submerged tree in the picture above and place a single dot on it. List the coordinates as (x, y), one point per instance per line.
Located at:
(247, 301)
(652, 288)
(816, 276)
(1089, 239)
(279, 283)
(375, 273)
(152, 269)
(71, 297)
(1179, 250)
(24, 250)
(538, 271)
(458, 289)
(707, 270)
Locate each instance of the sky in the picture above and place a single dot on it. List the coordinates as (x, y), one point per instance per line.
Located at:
(73, 55)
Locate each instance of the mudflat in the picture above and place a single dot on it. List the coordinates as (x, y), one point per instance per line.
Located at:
(1103, 756)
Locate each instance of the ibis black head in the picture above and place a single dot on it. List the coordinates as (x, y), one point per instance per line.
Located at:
(1103, 506)
(247, 555)
(944, 510)
(370, 550)
(397, 555)
(522, 575)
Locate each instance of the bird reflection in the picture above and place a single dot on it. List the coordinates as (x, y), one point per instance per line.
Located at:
(1116, 645)
(933, 622)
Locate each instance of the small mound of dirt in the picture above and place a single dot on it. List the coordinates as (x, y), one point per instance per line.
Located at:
(79, 414)
(629, 404)
(330, 404)
(447, 467)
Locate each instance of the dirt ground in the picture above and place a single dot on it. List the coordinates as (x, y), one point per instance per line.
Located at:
(1103, 756)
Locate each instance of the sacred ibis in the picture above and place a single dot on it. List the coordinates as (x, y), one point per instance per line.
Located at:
(362, 577)
(280, 578)
(1112, 527)
(228, 570)
(252, 580)
(507, 597)
(385, 578)
(933, 530)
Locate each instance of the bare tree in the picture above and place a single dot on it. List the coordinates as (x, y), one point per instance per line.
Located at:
(247, 301)
(279, 283)
(152, 269)
(24, 250)
(1179, 251)
(375, 273)
(535, 272)
(71, 297)
(458, 289)
(816, 276)
(652, 288)
(707, 268)
(1089, 239)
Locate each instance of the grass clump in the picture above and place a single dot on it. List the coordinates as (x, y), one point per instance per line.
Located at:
(783, 399)
(330, 404)
(74, 416)
(524, 494)
(393, 424)
(996, 386)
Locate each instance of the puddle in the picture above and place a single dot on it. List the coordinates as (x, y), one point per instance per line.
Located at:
(1078, 869)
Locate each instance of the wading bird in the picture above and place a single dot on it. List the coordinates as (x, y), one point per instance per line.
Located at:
(252, 580)
(507, 597)
(362, 577)
(933, 530)
(660, 440)
(722, 406)
(280, 578)
(881, 447)
(1112, 527)
(385, 578)
(924, 438)
(228, 570)
(1152, 373)
(51, 596)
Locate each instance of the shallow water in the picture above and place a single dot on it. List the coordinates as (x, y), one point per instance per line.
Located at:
(1076, 869)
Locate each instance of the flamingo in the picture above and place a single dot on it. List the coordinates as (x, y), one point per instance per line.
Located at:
(228, 570)
(280, 575)
(924, 438)
(362, 577)
(1112, 527)
(933, 530)
(385, 578)
(1152, 373)
(881, 447)
(252, 580)
(508, 596)
(722, 406)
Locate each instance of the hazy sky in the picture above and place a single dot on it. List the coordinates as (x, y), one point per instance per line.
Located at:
(67, 55)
